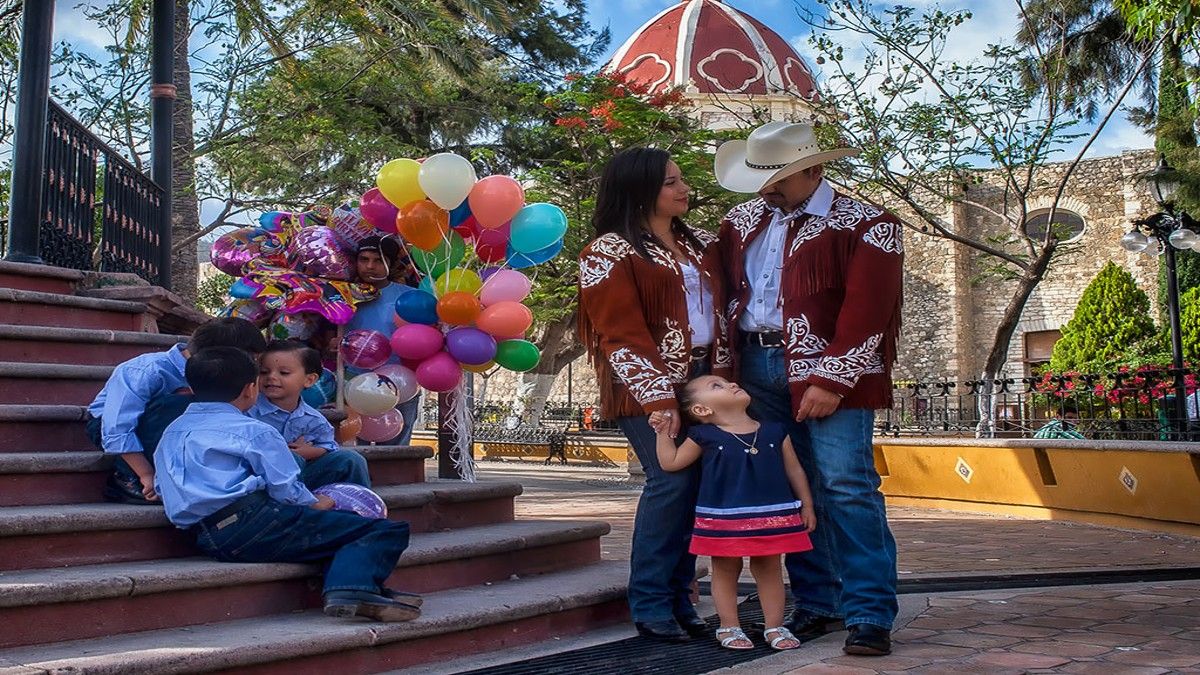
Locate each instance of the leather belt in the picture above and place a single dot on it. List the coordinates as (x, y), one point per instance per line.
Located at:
(769, 339)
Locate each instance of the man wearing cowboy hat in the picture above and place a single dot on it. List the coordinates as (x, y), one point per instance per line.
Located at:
(815, 280)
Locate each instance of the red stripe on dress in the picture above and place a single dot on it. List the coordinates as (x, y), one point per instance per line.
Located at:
(745, 524)
(796, 542)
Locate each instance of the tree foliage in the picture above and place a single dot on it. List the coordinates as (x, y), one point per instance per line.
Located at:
(1111, 318)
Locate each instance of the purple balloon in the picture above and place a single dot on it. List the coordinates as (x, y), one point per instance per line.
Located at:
(471, 346)
(487, 272)
(354, 498)
(366, 349)
(315, 251)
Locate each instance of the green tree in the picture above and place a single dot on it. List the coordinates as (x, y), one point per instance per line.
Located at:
(1189, 322)
(1110, 321)
(212, 294)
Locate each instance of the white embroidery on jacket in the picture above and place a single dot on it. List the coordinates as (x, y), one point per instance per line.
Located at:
(885, 236)
(800, 369)
(645, 382)
(723, 357)
(601, 256)
(673, 350)
(844, 214)
(745, 217)
(858, 361)
(801, 341)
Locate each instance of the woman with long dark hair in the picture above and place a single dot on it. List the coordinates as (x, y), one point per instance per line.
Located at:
(650, 317)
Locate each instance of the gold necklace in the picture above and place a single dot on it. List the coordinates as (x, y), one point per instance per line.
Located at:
(752, 446)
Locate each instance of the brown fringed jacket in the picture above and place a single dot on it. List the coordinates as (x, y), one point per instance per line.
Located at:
(841, 288)
(633, 319)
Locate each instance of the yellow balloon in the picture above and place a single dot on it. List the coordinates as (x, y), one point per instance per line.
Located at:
(482, 368)
(398, 182)
(458, 280)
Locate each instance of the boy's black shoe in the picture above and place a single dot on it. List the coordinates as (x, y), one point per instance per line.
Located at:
(693, 625)
(667, 630)
(345, 604)
(402, 596)
(126, 491)
(802, 624)
(868, 640)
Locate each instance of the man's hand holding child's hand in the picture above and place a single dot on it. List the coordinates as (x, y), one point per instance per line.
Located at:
(665, 422)
(307, 450)
(809, 517)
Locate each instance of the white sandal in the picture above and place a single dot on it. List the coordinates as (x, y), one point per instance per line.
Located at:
(734, 634)
(782, 634)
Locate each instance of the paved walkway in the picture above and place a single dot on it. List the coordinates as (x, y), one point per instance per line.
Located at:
(1139, 629)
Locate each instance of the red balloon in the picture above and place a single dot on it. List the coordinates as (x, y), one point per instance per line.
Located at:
(491, 245)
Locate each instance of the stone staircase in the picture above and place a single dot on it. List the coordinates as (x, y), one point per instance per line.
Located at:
(92, 587)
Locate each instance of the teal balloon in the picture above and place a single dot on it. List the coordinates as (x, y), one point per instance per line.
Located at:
(536, 227)
(417, 306)
(240, 289)
(322, 390)
(518, 260)
(447, 255)
(427, 285)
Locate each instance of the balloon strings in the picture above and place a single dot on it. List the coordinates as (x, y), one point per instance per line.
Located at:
(461, 425)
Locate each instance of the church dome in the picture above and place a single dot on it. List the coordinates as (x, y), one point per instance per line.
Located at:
(715, 47)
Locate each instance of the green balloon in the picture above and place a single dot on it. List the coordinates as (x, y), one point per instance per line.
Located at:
(517, 355)
(447, 255)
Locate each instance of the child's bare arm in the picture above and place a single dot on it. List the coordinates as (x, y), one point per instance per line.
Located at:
(672, 457)
(307, 450)
(799, 482)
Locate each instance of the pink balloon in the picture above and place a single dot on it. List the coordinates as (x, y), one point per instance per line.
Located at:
(495, 200)
(492, 245)
(378, 211)
(416, 341)
(505, 285)
(440, 373)
(383, 427)
(365, 349)
(401, 376)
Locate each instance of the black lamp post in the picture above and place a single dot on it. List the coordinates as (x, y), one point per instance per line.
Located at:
(1163, 233)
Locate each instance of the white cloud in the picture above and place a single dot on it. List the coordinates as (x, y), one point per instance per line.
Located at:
(70, 25)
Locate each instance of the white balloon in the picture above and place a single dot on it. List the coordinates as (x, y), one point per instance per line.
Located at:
(370, 394)
(447, 179)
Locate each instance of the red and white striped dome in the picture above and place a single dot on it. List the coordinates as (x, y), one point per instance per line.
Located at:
(715, 47)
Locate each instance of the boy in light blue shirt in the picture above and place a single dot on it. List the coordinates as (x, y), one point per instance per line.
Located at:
(230, 480)
(285, 370)
(143, 395)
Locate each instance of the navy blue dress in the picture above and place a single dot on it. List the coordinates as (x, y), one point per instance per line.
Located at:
(746, 505)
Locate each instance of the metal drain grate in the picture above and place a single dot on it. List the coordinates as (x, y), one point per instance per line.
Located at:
(640, 656)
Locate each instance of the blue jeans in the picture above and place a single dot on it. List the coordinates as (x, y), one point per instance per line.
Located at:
(851, 571)
(661, 570)
(340, 466)
(359, 552)
(160, 411)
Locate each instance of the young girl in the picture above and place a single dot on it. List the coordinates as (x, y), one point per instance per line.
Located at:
(754, 500)
(287, 367)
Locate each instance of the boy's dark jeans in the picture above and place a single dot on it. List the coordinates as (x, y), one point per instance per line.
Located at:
(360, 552)
(160, 411)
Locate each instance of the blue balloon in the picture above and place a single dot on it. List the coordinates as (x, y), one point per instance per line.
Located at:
(459, 214)
(417, 306)
(240, 289)
(518, 260)
(537, 227)
(322, 390)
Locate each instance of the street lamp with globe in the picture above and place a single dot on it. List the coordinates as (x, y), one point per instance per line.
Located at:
(1162, 234)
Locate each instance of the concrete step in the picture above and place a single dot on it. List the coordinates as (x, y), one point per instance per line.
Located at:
(63, 535)
(44, 278)
(50, 383)
(43, 606)
(454, 622)
(33, 478)
(50, 344)
(37, 308)
(49, 428)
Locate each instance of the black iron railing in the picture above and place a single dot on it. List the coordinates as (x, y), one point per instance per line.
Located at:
(1129, 404)
(507, 422)
(98, 211)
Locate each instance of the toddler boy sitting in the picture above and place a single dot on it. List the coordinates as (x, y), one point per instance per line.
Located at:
(285, 370)
(230, 480)
(143, 395)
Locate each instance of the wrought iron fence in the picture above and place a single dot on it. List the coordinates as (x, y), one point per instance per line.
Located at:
(98, 210)
(513, 423)
(1130, 405)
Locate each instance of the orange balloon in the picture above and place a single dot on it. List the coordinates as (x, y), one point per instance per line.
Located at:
(423, 224)
(505, 320)
(481, 368)
(495, 200)
(348, 428)
(458, 308)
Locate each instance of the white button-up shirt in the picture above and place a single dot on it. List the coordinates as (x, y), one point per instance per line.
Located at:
(764, 264)
(700, 305)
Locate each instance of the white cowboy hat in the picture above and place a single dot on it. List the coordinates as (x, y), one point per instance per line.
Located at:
(773, 152)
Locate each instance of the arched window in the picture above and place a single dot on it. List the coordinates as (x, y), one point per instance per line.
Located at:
(1068, 225)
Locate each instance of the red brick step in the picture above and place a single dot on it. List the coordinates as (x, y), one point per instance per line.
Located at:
(50, 383)
(35, 308)
(83, 346)
(44, 278)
